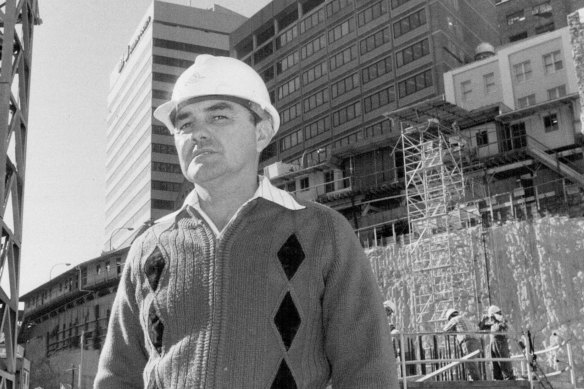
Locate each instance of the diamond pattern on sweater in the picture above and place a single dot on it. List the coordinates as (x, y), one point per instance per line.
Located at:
(287, 320)
(153, 268)
(155, 328)
(284, 379)
(291, 256)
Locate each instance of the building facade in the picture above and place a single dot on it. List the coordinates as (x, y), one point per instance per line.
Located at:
(334, 68)
(519, 19)
(65, 321)
(143, 176)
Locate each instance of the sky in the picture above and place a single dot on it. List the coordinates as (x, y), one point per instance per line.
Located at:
(75, 49)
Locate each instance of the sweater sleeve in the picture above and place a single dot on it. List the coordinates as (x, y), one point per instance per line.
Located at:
(123, 357)
(357, 337)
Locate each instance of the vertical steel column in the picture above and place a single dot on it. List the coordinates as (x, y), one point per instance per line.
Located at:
(17, 20)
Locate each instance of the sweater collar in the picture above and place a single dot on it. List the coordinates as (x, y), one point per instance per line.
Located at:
(265, 190)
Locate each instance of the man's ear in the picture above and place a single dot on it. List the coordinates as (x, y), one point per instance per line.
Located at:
(264, 133)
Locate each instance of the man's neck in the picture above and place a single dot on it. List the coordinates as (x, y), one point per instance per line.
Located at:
(221, 201)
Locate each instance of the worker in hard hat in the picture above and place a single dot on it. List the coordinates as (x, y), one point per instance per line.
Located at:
(499, 346)
(468, 342)
(244, 286)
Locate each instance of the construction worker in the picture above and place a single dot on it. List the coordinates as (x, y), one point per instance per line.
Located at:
(243, 286)
(468, 342)
(499, 346)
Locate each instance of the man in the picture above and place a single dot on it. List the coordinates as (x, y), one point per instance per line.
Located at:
(243, 287)
(468, 342)
(499, 346)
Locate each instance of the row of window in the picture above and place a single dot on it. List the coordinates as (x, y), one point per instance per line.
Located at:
(166, 186)
(541, 10)
(163, 149)
(407, 87)
(552, 93)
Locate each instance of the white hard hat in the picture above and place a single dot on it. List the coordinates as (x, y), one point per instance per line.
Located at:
(493, 309)
(449, 313)
(389, 304)
(218, 76)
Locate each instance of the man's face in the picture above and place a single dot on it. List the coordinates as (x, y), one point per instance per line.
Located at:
(217, 140)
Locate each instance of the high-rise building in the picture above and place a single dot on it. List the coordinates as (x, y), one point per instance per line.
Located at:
(143, 176)
(519, 19)
(334, 68)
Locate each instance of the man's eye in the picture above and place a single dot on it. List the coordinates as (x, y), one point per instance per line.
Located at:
(219, 117)
(185, 126)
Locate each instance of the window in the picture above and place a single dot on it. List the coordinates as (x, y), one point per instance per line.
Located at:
(465, 90)
(304, 183)
(289, 87)
(374, 41)
(287, 37)
(314, 73)
(316, 100)
(371, 13)
(166, 186)
(313, 47)
(545, 28)
(311, 21)
(416, 83)
(543, 10)
(263, 52)
(329, 179)
(98, 268)
(166, 167)
(409, 23)
(291, 140)
(516, 17)
(290, 113)
(526, 101)
(345, 85)
(335, 6)
(316, 128)
(518, 37)
(377, 129)
(489, 81)
(287, 62)
(268, 74)
(162, 204)
(550, 122)
(556, 92)
(291, 186)
(344, 57)
(552, 62)
(107, 266)
(379, 99)
(340, 30)
(163, 149)
(522, 71)
(378, 69)
(346, 114)
(397, 3)
(412, 53)
(482, 138)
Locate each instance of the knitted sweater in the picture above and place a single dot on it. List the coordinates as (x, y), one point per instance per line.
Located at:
(282, 299)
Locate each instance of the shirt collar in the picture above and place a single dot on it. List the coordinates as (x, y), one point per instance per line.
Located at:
(265, 190)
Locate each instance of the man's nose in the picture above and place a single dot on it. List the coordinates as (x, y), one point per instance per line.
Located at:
(200, 132)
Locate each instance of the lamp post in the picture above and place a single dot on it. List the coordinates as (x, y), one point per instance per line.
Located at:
(115, 231)
(55, 265)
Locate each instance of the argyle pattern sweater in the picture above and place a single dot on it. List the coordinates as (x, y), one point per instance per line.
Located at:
(282, 299)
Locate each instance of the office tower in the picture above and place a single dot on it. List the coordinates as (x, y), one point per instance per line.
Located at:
(334, 69)
(143, 176)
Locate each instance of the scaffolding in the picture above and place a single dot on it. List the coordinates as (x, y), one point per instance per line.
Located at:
(433, 157)
(17, 21)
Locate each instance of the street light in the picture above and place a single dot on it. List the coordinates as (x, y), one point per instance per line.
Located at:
(57, 264)
(116, 231)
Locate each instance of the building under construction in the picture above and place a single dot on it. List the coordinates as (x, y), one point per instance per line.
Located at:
(17, 21)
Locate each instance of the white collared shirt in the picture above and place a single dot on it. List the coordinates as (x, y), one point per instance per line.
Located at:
(265, 190)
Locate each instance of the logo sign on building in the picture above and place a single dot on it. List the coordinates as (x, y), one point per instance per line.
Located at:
(133, 45)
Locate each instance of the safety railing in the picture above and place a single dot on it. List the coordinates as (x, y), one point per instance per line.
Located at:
(439, 356)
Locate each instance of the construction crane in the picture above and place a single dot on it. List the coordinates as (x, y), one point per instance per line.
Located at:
(17, 21)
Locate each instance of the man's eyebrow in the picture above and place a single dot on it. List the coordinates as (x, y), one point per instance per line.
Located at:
(182, 115)
(219, 106)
